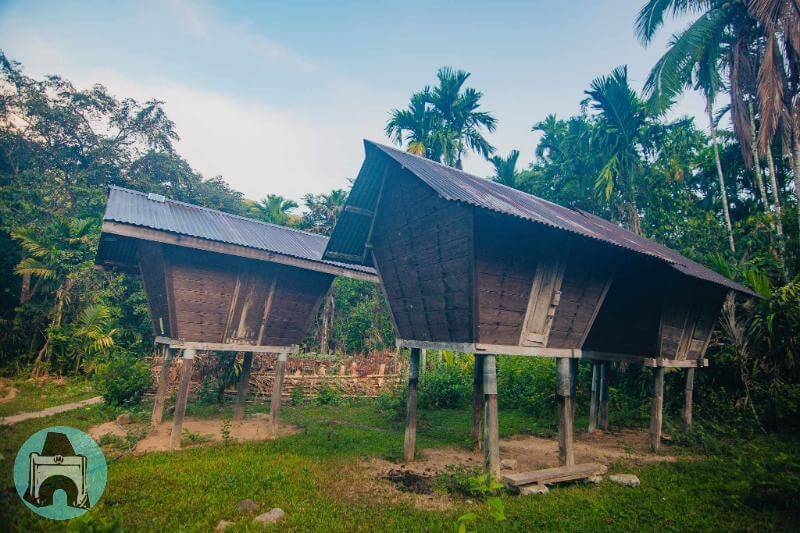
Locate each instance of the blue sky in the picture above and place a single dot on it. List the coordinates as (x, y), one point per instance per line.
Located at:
(277, 96)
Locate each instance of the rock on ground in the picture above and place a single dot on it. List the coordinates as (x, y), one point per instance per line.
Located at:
(594, 479)
(536, 488)
(508, 464)
(246, 506)
(223, 525)
(124, 419)
(271, 517)
(629, 480)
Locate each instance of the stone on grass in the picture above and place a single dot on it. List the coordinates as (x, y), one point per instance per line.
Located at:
(246, 506)
(594, 479)
(124, 419)
(629, 480)
(223, 525)
(536, 488)
(271, 517)
(508, 464)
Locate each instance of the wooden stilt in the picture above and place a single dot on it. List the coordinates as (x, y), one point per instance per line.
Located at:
(565, 392)
(595, 397)
(180, 402)
(491, 424)
(277, 389)
(602, 407)
(410, 440)
(656, 408)
(688, 393)
(244, 382)
(477, 402)
(163, 386)
(423, 361)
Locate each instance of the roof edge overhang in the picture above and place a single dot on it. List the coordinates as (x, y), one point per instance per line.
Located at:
(176, 239)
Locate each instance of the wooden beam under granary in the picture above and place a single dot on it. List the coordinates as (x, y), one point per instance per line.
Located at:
(218, 282)
(474, 266)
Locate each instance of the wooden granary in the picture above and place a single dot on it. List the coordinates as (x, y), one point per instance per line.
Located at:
(218, 282)
(474, 266)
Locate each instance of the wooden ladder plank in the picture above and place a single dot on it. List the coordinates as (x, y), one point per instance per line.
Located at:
(555, 475)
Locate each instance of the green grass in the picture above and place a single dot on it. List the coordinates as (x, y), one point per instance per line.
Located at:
(35, 396)
(305, 474)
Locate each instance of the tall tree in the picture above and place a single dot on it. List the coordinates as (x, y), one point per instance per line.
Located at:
(505, 169)
(418, 126)
(323, 211)
(274, 209)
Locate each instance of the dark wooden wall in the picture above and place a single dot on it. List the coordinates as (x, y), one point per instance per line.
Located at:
(690, 310)
(423, 251)
(201, 296)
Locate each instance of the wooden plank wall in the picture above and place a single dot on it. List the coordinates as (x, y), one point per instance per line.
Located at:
(689, 312)
(212, 297)
(423, 249)
(589, 271)
(628, 321)
(506, 259)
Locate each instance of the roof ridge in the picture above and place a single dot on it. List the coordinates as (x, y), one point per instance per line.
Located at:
(204, 208)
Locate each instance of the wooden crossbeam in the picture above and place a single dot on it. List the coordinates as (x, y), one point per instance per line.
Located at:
(224, 347)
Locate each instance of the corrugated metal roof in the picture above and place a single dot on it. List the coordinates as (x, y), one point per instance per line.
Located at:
(459, 186)
(157, 212)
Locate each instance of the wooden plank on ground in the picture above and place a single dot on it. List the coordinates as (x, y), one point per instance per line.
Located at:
(550, 476)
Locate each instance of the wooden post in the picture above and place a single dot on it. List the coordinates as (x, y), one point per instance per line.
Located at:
(180, 402)
(656, 408)
(688, 393)
(602, 407)
(595, 397)
(565, 392)
(163, 386)
(423, 362)
(244, 382)
(491, 423)
(477, 402)
(277, 387)
(410, 440)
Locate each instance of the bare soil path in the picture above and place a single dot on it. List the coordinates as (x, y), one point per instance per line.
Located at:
(15, 419)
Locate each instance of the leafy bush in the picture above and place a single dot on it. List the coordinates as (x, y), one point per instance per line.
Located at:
(329, 395)
(297, 396)
(446, 386)
(123, 379)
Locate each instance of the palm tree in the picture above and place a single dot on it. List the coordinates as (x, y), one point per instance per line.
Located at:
(323, 211)
(505, 169)
(274, 209)
(419, 126)
(458, 108)
(620, 120)
(693, 60)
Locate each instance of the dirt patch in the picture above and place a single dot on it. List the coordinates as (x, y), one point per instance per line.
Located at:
(203, 431)
(415, 480)
(7, 392)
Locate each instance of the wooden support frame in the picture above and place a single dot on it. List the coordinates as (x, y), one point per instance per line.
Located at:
(688, 394)
(565, 394)
(569, 353)
(602, 397)
(477, 402)
(657, 409)
(163, 384)
(244, 383)
(277, 390)
(410, 438)
(491, 424)
(223, 347)
(183, 396)
(595, 397)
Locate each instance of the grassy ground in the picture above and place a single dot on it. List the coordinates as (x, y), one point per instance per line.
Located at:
(33, 396)
(741, 487)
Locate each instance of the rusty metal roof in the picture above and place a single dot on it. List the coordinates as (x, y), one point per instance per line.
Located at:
(452, 184)
(154, 211)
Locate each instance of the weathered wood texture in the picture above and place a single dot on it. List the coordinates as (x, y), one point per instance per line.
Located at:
(491, 421)
(410, 438)
(423, 250)
(206, 297)
(657, 408)
(690, 310)
(162, 386)
(550, 476)
(180, 401)
(565, 397)
(688, 397)
(243, 386)
(477, 402)
(594, 398)
(277, 387)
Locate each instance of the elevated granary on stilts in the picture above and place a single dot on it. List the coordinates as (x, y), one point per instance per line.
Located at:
(477, 267)
(218, 282)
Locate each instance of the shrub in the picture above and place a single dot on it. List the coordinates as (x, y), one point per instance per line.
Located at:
(123, 379)
(297, 396)
(329, 395)
(446, 386)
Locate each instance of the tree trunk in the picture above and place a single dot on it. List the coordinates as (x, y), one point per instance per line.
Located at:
(721, 177)
(796, 168)
(327, 320)
(25, 293)
(776, 206)
(762, 190)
